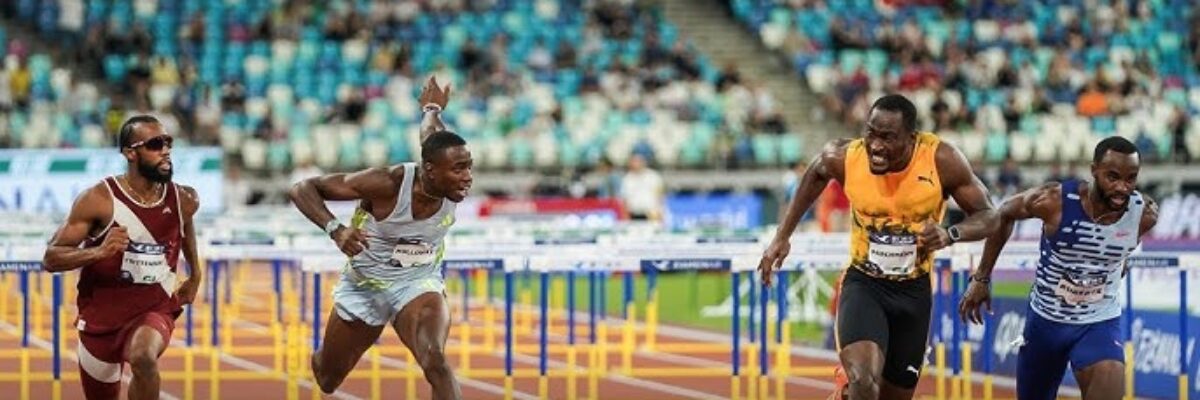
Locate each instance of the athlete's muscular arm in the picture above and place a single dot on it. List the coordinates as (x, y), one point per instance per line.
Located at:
(1042, 202)
(93, 208)
(960, 182)
(1149, 216)
(372, 184)
(432, 94)
(190, 202)
(829, 165)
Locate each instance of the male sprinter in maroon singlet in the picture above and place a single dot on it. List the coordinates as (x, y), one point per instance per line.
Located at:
(125, 234)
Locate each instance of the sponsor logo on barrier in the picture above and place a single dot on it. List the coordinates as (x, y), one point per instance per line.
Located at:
(1152, 262)
(565, 240)
(1157, 351)
(686, 264)
(473, 264)
(18, 266)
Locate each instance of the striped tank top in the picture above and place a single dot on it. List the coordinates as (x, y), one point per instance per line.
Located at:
(401, 248)
(1081, 265)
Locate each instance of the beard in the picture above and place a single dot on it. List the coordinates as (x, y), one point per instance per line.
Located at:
(151, 172)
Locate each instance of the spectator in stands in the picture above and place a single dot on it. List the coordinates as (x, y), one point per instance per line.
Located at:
(1093, 101)
(642, 190)
(19, 82)
(1179, 126)
(606, 178)
(1008, 181)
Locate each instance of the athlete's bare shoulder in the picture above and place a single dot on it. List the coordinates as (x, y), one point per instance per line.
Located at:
(189, 199)
(1149, 215)
(1045, 200)
(952, 166)
(95, 203)
(831, 162)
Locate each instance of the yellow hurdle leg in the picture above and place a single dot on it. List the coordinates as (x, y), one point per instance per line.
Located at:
(628, 344)
(593, 372)
(1129, 370)
(543, 387)
(376, 381)
(278, 350)
(987, 387)
(489, 327)
(764, 386)
(783, 362)
(56, 389)
(508, 388)
(465, 355)
(966, 379)
(571, 374)
(1183, 386)
(24, 373)
(305, 355)
(602, 342)
(940, 361)
(735, 387)
(214, 374)
(5, 293)
(293, 362)
(189, 373)
(751, 375)
(652, 321)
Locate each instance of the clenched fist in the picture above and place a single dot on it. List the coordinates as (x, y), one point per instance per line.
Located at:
(115, 242)
(350, 241)
(933, 237)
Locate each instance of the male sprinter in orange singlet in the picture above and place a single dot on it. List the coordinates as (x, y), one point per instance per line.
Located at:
(125, 234)
(897, 180)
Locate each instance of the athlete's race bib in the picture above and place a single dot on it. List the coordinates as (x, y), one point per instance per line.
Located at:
(1081, 290)
(892, 254)
(145, 263)
(413, 254)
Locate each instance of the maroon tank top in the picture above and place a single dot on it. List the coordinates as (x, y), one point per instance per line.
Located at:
(142, 279)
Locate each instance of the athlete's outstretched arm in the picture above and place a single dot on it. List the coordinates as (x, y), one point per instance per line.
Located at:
(191, 204)
(433, 100)
(960, 182)
(1040, 202)
(309, 197)
(91, 208)
(829, 165)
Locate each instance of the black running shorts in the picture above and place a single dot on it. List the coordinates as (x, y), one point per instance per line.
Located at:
(893, 314)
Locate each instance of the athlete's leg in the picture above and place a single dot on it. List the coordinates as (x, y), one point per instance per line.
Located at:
(862, 336)
(423, 325)
(344, 343)
(1102, 380)
(148, 340)
(1098, 360)
(145, 345)
(1041, 358)
(908, 305)
(100, 365)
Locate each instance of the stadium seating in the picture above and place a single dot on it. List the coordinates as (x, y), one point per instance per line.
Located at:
(827, 42)
(300, 79)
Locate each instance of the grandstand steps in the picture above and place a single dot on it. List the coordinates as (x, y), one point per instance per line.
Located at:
(718, 35)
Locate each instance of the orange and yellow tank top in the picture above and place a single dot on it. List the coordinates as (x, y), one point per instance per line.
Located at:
(889, 211)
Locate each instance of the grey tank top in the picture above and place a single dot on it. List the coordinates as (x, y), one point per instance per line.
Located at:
(400, 248)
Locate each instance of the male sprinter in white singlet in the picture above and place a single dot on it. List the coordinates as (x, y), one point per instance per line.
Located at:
(395, 244)
(1088, 230)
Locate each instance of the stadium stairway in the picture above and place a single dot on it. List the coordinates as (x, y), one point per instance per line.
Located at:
(718, 35)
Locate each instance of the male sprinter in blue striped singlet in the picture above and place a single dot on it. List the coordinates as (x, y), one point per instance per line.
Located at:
(1088, 231)
(395, 243)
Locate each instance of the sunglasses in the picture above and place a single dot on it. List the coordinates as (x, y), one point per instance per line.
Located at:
(155, 143)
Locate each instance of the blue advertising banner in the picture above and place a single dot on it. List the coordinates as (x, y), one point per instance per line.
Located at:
(742, 211)
(1158, 346)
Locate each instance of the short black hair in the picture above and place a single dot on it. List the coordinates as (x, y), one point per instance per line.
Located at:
(1114, 143)
(126, 131)
(901, 104)
(438, 141)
